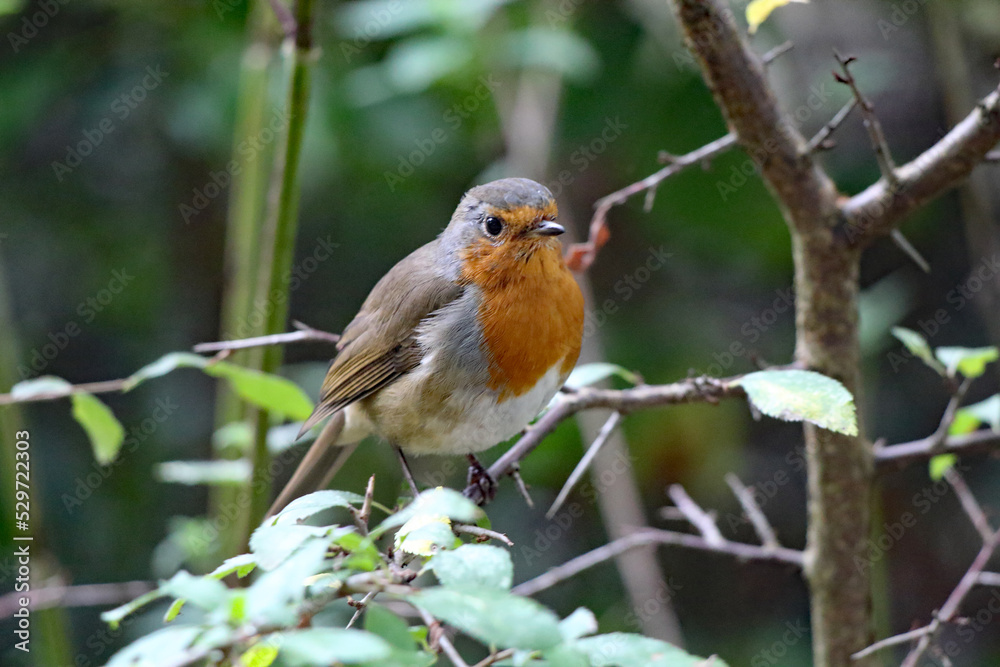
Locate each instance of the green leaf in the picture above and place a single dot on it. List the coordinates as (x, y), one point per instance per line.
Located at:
(917, 345)
(578, 624)
(969, 361)
(242, 565)
(260, 654)
(203, 592)
(236, 436)
(435, 502)
(390, 627)
(314, 503)
(164, 365)
(45, 384)
(174, 610)
(106, 433)
(324, 646)
(758, 11)
(156, 648)
(970, 417)
(492, 616)
(271, 392)
(272, 545)
(802, 396)
(193, 473)
(588, 374)
(113, 617)
(474, 565)
(425, 535)
(940, 464)
(274, 598)
(620, 649)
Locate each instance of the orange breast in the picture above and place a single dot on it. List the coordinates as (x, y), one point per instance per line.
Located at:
(531, 313)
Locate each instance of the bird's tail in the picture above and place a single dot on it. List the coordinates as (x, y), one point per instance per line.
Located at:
(317, 469)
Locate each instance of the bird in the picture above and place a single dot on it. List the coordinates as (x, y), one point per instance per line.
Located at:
(459, 346)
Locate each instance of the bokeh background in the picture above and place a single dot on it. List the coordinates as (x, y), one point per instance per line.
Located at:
(117, 258)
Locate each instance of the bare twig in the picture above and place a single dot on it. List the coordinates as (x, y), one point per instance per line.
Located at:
(948, 418)
(484, 533)
(701, 389)
(588, 457)
(652, 536)
(494, 658)
(104, 387)
(360, 607)
(894, 457)
(362, 515)
(515, 472)
(750, 507)
(988, 579)
(872, 124)
(969, 503)
(895, 640)
(699, 518)
(305, 334)
(86, 595)
(442, 640)
(820, 139)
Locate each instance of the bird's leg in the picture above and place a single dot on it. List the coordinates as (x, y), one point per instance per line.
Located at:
(406, 472)
(480, 477)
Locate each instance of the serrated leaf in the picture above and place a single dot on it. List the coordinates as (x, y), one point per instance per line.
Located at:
(425, 535)
(272, 545)
(588, 374)
(759, 10)
(580, 623)
(106, 433)
(794, 395)
(475, 566)
(940, 464)
(314, 503)
(271, 392)
(193, 473)
(155, 648)
(918, 347)
(969, 361)
(324, 646)
(435, 502)
(204, 592)
(242, 565)
(492, 616)
(621, 649)
(274, 598)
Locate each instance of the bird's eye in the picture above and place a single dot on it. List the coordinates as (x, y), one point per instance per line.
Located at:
(493, 226)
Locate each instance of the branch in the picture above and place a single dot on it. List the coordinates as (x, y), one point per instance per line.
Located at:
(87, 595)
(692, 390)
(750, 507)
(899, 456)
(878, 209)
(304, 334)
(648, 537)
(699, 518)
(588, 457)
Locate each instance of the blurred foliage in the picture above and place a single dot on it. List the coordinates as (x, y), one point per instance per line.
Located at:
(409, 108)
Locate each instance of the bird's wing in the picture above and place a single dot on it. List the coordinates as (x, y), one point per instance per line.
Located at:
(380, 343)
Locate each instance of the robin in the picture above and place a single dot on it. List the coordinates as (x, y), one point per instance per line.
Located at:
(460, 345)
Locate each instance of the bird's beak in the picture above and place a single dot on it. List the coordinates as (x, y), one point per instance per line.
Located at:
(548, 228)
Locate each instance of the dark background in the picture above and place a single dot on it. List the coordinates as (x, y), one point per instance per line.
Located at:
(613, 67)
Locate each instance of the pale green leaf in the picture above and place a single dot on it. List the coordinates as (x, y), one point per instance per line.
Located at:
(759, 10)
(164, 365)
(434, 502)
(474, 566)
(242, 565)
(969, 361)
(390, 627)
(425, 535)
(104, 430)
(984, 412)
(271, 545)
(620, 649)
(314, 503)
(191, 473)
(174, 610)
(157, 648)
(940, 464)
(271, 392)
(588, 374)
(46, 384)
(794, 395)
(578, 624)
(324, 646)
(261, 654)
(492, 616)
(113, 617)
(203, 592)
(918, 347)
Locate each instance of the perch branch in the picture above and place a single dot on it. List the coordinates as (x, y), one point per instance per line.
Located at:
(750, 507)
(588, 457)
(304, 334)
(696, 516)
(86, 595)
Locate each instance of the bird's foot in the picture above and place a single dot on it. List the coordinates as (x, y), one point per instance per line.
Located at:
(482, 486)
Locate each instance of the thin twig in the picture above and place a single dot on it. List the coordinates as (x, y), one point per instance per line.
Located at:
(648, 537)
(969, 503)
(588, 457)
(872, 124)
(948, 418)
(819, 140)
(699, 518)
(515, 472)
(988, 579)
(304, 334)
(494, 658)
(481, 533)
(894, 457)
(889, 642)
(86, 595)
(360, 606)
(753, 511)
(446, 646)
